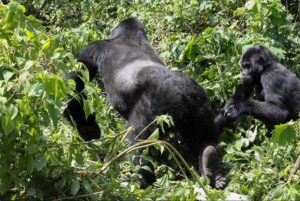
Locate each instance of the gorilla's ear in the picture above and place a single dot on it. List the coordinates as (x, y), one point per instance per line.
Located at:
(263, 61)
(266, 57)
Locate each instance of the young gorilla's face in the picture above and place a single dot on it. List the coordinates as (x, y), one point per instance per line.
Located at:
(252, 63)
(246, 75)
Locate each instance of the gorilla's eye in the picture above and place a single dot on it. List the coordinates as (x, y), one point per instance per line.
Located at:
(246, 65)
(261, 60)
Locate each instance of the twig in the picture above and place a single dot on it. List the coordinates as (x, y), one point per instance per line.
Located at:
(294, 170)
(169, 147)
(79, 196)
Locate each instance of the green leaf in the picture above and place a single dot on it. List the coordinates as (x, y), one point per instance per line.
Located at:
(250, 4)
(5, 180)
(7, 122)
(238, 145)
(240, 11)
(277, 192)
(154, 135)
(12, 112)
(75, 187)
(85, 75)
(280, 53)
(236, 196)
(28, 64)
(3, 7)
(15, 10)
(54, 113)
(31, 192)
(3, 100)
(179, 191)
(162, 149)
(32, 149)
(90, 88)
(294, 192)
(71, 86)
(258, 153)
(87, 186)
(36, 89)
(244, 190)
(208, 30)
(7, 74)
(49, 47)
(29, 34)
(164, 119)
(192, 49)
(30, 164)
(34, 25)
(27, 163)
(40, 162)
(283, 134)
(87, 107)
(61, 183)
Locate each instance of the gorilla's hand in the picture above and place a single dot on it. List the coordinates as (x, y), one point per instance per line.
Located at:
(232, 111)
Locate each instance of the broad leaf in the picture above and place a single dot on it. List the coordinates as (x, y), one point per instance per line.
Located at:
(283, 134)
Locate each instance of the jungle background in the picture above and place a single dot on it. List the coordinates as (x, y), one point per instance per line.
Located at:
(42, 156)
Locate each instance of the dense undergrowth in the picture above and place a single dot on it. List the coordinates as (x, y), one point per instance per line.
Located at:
(41, 155)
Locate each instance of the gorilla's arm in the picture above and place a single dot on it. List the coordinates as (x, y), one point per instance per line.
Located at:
(242, 92)
(268, 112)
(86, 126)
(93, 55)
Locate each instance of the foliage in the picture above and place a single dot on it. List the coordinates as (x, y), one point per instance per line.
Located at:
(283, 134)
(42, 157)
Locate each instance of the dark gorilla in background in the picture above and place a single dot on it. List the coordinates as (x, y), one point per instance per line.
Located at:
(140, 87)
(277, 91)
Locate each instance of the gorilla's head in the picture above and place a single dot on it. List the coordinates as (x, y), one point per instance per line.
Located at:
(254, 61)
(130, 29)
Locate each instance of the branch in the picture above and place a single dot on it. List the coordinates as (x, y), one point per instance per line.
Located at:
(294, 170)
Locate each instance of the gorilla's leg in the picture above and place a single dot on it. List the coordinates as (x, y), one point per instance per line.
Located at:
(209, 161)
(202, 142)
(211, 166)
(139, 119)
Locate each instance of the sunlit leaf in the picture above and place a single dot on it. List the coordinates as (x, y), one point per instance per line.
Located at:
(250, 4)
(283, 134)
(240, 11)
(40, 162)
(154, 135)
(7, 74)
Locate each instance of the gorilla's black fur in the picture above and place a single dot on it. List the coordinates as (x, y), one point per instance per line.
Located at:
(277, 90)
(140, 87)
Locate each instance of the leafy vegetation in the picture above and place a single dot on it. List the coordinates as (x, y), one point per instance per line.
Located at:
(41, 155)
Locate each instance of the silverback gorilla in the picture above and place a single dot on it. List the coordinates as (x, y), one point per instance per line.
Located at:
(140, 87)
(277, 91)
